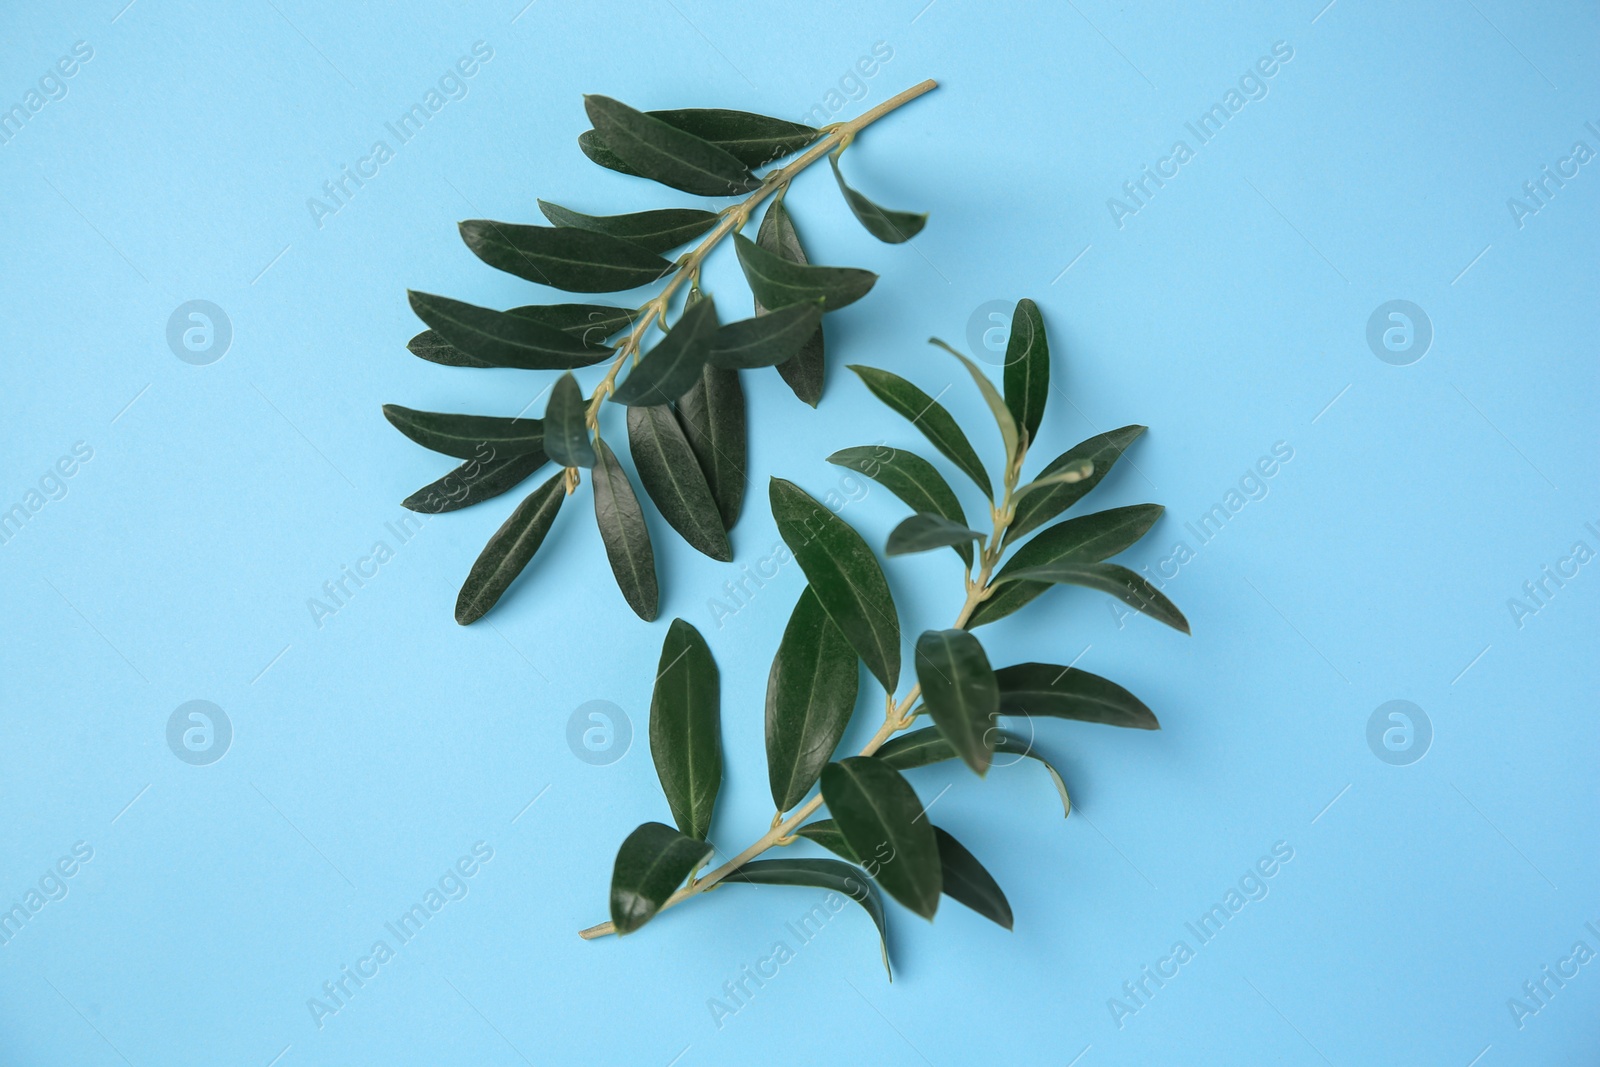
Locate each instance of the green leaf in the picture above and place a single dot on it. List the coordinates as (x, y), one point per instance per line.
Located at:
(1068, 476)
(925, 531)
(1027, 375)
(826, 832)
(591, 324)
(959, 690)
(464, 436)
(964, 880)
(1084, 539)
(686, 728)
(822, 874)
(626, 537)
(912, 479)
(807, 370)
(892, 227)
(652, 862)
(778, 283)
(1128, 586)
(430, 346)
(755, 140)
(919, 748)
(501, 339)
(766, 340)
(1039, 507)
(575, 260)
(884, 822)
(811, 693)
(712, 416)
(510, 550)
(672, 477)
(991, 396)
(1048, 689)
(476, 480)
(668, 370)
(927, 415)
(658, 231)
(845, 576)
(662, 152)
(566, 432)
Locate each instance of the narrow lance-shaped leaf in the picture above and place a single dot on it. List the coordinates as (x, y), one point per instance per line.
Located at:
(566, 431)
(845, 575)
(626, 537)
(577, 261)
(754, 140)
(1084, 539)
(965, 880)
(1128, 586)
(510, 550)
(465, 436)
(656, 231)
(1039, 507)
(590, 324)
(1049, 689)
(826, 833)
(920, 748)
(991, 396)
(959, 690)
(767, 340)
(924, 532)
(662, 152)
(811, 693)
(1066, 476)
(822, 874)
(892, 227)
(501, 339)
(686, 728)
(476, 480)
(1027, 375)
(912, 479)
(652, 862)
(880, 816)
(807, 371)
(927, 415)
(668, 370)
(712, 416)
(671, 475)
(778, 283)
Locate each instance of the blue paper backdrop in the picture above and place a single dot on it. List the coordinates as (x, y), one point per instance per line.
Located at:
(1419, 490)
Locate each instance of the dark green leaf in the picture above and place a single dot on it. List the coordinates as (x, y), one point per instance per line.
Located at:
(811, 693)
(686, 728)
(510, 550)
(912, 479)
(658, 231)
(822, 874)
(501, 339)
(959, 690)
(1128, 586)
(991, 396)
(1027, 377)
(670, 473)
(1084, 539)
(890, 226)
(1039, 507)
(626, 537)
(884, 822)
(474, 481)
(766, 340)
(919, 748)
(965, 880)
(778, 283)
(712, 416)
(806, 371)
(575, 260)
(566, 432)
(464, 436)
(845, 576)
(925, 531)
(652, 862)
(755, 140)
(826, 833)
(430, 346)
(662, 152)
(591, 324)
(927, 415)
(668, 370)
(1049, 689)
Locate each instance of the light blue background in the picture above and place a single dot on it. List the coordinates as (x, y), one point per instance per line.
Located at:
(1228, 315)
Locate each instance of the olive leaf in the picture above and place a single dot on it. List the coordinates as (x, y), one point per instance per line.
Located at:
(766, 340)
(626, 537)
(807, 370)
(1054, 691)
(475, 481)
(501, 339)
(672, 477)
(778, 282)
(652, 862)
(963, 879)
(755, 140)
(685, 728)
(656, 231)
(510, 550)
(466, 436)
(1128, 586)
(826, 832)
(712, 416)
(926, 414)
(1039, 507)
(880, 816)
(578, 261)
(921, 748)
(925, 531)
(912, 479)
(991, 397)
(662, 152)
(566, 431)
(590, 324)
(892, 227)
(811, 693)
(823, 874)
(668, 370)
(960, 692)
(1027, 373)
